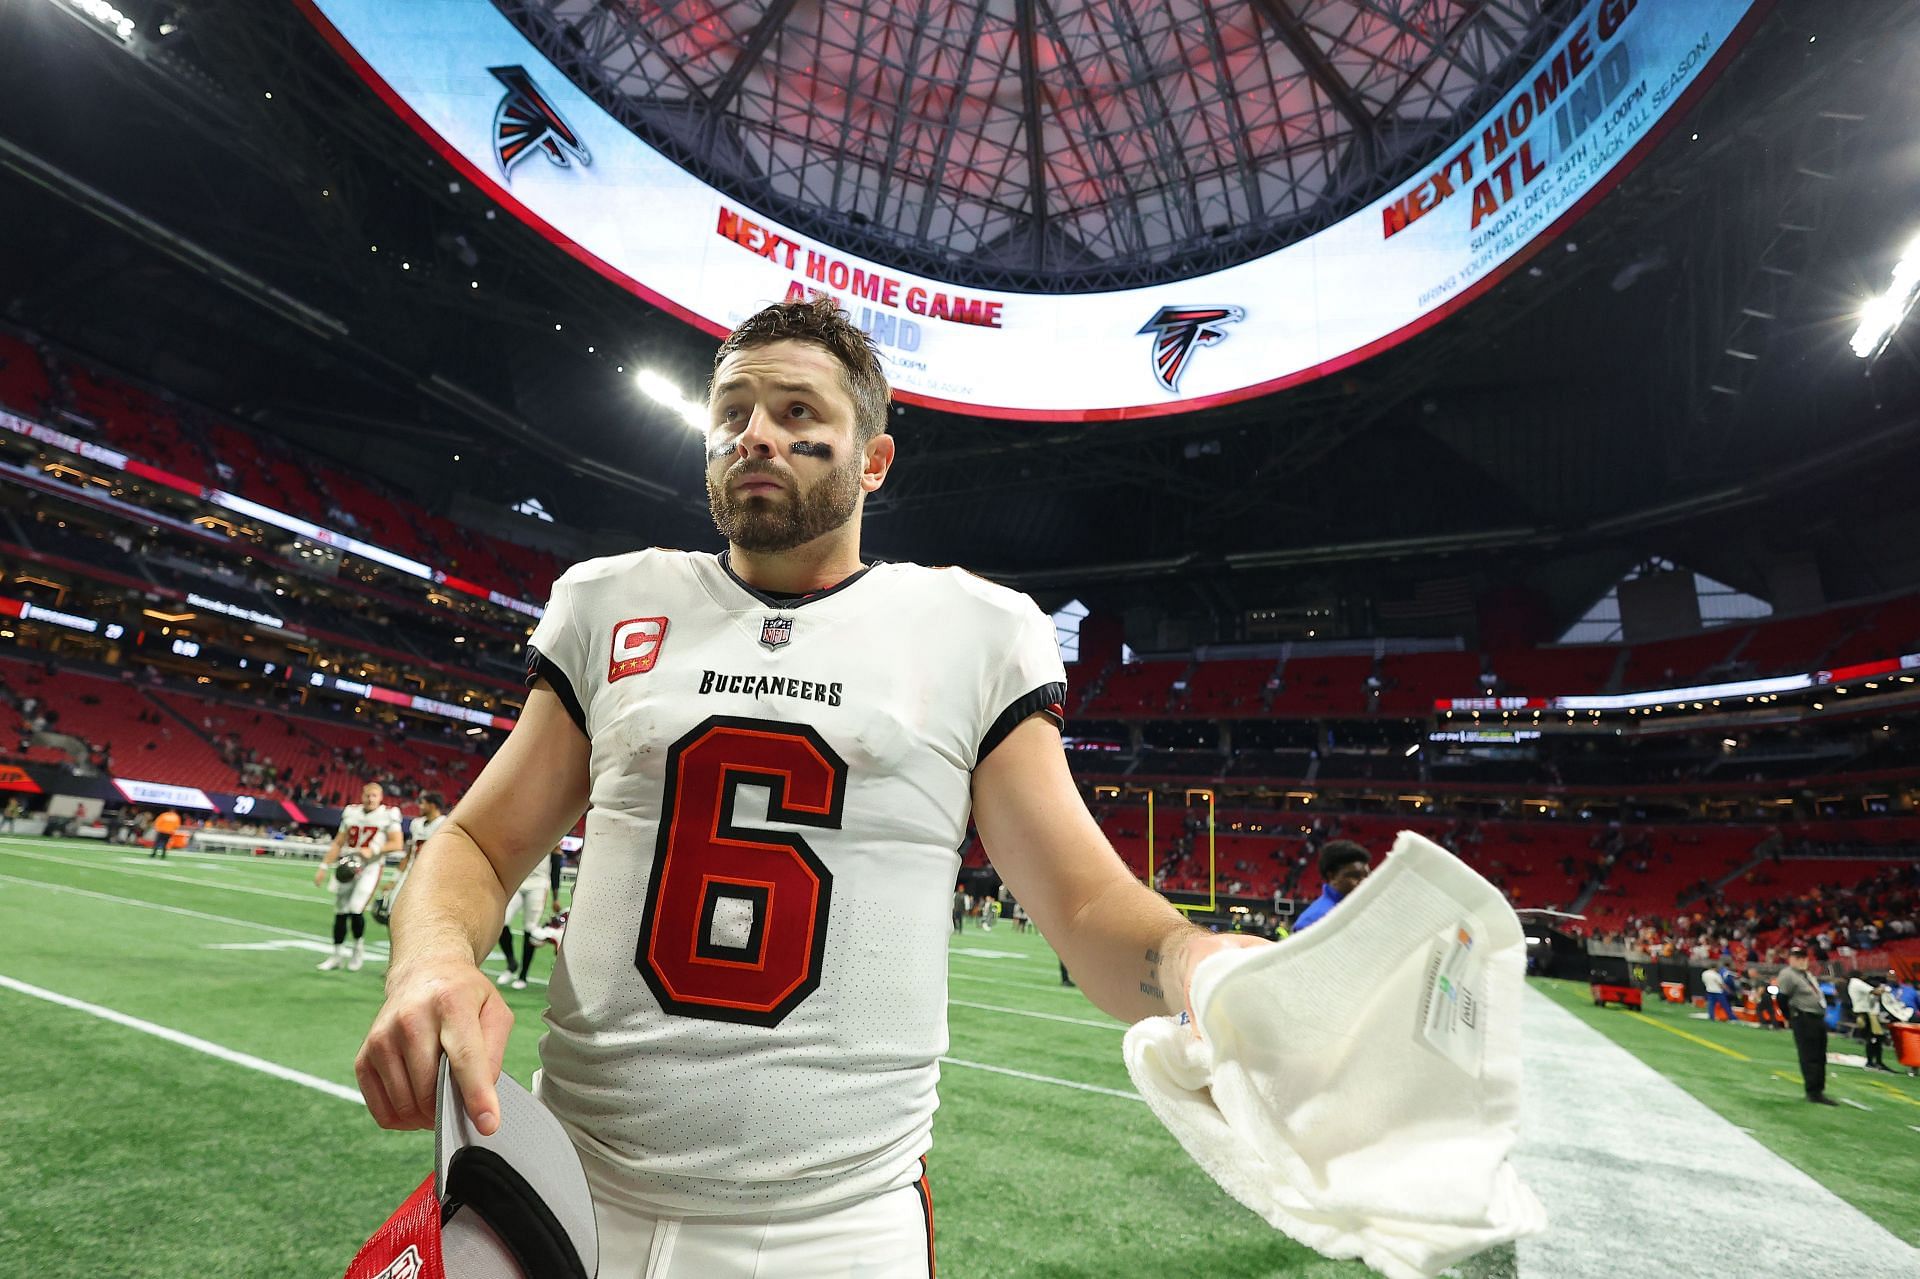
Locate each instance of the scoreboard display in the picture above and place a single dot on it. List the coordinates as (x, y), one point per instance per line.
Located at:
(1602, 93)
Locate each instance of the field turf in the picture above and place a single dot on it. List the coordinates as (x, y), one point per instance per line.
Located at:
(128, 1154)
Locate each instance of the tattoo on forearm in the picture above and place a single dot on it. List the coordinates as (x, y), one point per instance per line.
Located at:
(1151, 986)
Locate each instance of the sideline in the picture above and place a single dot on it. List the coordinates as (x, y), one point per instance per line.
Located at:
(1642, 1020)
(1641, 1178)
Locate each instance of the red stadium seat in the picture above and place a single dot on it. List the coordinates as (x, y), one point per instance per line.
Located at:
(24, 386)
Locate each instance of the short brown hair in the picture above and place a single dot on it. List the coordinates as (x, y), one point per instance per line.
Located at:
(820, 320)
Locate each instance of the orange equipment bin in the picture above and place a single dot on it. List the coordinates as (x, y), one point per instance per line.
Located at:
(1626, 996)
(1674, 992)
(1906, 1043)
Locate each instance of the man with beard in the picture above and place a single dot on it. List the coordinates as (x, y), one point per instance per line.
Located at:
(781, 745)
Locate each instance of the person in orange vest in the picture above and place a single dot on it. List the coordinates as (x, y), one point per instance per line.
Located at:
(165, 826)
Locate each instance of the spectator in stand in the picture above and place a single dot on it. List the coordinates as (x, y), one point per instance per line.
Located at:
(1343, 866)
(1806, 1010)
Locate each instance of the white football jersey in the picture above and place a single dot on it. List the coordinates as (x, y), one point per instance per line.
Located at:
(541, 877)
(749, 1009)
(367, 831)
(422, 829)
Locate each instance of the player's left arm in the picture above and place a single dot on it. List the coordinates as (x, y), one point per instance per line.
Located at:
(332, 855)
(1128, 950)
(396, 843)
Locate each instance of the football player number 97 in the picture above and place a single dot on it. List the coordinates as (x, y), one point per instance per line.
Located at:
(736, 916)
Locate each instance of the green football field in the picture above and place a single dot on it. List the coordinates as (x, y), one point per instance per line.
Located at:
(179, 1096)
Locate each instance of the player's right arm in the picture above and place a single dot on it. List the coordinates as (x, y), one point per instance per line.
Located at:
(328, 858)
(527, 797)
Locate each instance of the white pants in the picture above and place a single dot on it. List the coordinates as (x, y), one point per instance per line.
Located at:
(353, 897)
(529, 907)
(887, 1237)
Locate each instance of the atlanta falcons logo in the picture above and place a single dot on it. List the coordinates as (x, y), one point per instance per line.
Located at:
(526, 122)
(1178, 330)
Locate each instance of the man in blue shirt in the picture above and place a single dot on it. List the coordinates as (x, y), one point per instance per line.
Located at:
(1343, 864)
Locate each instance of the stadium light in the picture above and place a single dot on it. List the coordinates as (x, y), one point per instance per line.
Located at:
(106, 15)
(662, 391)
(1882, 317)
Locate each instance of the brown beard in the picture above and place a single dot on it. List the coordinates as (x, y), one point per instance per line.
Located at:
(769, 525)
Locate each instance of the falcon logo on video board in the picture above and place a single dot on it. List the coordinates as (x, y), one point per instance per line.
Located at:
(526, 122)
(1178, 330)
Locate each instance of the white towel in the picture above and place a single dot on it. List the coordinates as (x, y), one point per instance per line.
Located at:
(1358, 1084)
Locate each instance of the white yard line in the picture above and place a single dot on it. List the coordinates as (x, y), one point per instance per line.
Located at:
(44, 886)
(1026, 1012)
(81, 848)
(316, 896)
(185, 1040)
(344, 1093)
(1600, 1127)
(378, 950)
(1042, 1079)
(1022, 985)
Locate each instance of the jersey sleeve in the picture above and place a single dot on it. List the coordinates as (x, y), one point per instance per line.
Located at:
(1024, 678)
(557, 652)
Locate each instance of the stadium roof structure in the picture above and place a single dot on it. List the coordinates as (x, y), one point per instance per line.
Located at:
(229, 211)
(1046, 145)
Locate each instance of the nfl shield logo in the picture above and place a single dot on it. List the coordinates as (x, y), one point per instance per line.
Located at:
(776, 631)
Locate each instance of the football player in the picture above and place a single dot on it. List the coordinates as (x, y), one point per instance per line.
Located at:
(419, 831)
(368, 832)
(529, 906)
(784, 743)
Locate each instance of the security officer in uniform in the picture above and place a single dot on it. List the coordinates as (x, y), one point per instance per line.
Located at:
(1806, 1010)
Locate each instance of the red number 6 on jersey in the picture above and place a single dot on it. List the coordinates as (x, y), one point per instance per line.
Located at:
(736, 917)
